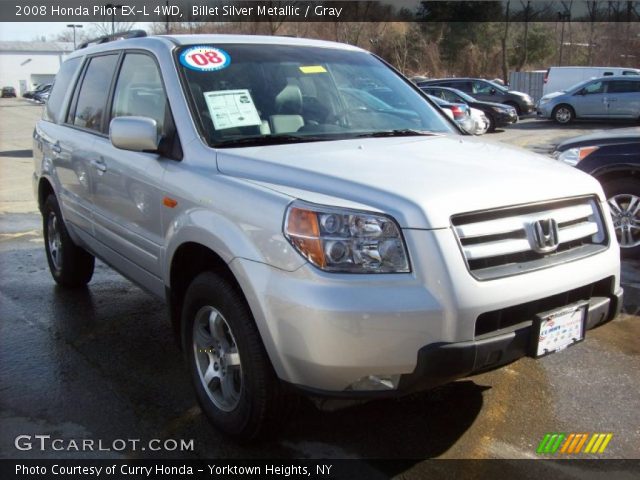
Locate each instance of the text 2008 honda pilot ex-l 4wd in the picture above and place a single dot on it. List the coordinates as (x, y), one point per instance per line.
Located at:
(307, 235)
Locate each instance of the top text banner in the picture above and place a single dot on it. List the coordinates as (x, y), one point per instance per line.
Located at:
(315, 11)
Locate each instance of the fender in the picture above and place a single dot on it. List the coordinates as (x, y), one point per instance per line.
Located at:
(227, 239)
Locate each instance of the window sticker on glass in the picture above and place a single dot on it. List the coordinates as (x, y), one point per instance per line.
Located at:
(313, 69)
(205, 59)
(232, 108)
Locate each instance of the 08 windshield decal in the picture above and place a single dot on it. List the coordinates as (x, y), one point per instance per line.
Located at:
(205, 58)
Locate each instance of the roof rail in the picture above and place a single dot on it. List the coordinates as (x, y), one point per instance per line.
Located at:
(113, 37)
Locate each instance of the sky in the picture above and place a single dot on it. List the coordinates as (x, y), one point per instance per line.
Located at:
(34, 30)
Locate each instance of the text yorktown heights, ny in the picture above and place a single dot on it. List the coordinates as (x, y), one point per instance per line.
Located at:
(118, 470)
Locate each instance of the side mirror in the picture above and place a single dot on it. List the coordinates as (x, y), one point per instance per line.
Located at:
(492, 91)
(138, 134)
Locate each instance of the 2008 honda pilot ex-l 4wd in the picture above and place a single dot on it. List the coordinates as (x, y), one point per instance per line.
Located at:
(304, 238)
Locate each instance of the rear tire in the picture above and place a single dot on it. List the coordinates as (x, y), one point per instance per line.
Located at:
(70, 266)
(623, 197)
(234, 381)
(563, 114)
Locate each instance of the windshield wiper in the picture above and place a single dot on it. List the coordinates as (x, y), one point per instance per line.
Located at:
(261, 140)
(405, 132)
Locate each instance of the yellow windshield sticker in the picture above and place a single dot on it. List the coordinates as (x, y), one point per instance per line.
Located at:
(313, 69)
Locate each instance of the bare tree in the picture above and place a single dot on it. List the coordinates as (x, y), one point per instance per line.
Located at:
(100, 29)
(505, 54)
(592, 8)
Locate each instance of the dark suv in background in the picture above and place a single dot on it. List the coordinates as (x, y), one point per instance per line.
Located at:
(486, 91)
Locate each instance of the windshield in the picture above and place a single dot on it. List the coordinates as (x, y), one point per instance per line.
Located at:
(248, 94)
(577, 85)
(498, 86)
(465, 97)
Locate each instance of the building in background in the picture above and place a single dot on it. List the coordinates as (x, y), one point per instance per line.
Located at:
(23, 65)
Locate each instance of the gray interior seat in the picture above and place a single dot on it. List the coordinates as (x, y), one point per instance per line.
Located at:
(288, 105)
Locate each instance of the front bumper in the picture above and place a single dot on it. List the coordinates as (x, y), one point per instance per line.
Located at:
(544, 110)
(503, 119)
(440, 364)
(526, 109)
(325, 332)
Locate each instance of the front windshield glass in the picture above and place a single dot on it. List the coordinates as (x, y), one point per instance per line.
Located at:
(502, 88)
(578, 85)
(245, 94)
(465, 97)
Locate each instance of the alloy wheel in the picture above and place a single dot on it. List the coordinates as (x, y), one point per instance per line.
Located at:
(217, 359)
(625, 210)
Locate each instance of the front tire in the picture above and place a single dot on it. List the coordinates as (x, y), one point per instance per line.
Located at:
(234, 381)
(563, 114)
(623, 197)
(492, 124)
(70, 265)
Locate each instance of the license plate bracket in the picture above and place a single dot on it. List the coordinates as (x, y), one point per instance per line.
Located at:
(557, 329)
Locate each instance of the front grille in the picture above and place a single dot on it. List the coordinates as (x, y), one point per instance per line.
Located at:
(502, 242)
(508, 317)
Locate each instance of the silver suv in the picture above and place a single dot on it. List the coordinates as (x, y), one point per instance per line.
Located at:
(304, 243)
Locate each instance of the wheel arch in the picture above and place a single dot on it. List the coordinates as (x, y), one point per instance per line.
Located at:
(45, 188)
(605, 175)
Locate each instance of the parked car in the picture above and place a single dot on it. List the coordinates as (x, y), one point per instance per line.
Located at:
(460, 112)
(41, 96)
(498, 114)
(486, 91)
(561, 78)
(8, 92)
(613, 157)
(39, 88)
(480, 120)
(613, 98)
(303, 246)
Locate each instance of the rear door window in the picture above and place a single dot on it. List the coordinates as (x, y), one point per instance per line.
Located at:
(64, 80)
(623, 86)
(92, 98)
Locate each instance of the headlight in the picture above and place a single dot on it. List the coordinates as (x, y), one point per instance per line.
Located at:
(573, 156)
(341, 240)
(502, 109)
(543, 101)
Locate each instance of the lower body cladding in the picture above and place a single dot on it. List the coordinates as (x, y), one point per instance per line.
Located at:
(376, 335)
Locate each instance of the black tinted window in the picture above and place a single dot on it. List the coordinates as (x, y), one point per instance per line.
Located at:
(62, 83)
(623, 86)
(93, 92)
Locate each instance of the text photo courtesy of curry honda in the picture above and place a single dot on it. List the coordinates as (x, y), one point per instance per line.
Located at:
(235, 234)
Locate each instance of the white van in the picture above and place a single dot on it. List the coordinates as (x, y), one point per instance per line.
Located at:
(560, 78)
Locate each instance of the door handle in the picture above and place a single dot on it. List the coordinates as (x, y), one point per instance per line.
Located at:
(99, 165)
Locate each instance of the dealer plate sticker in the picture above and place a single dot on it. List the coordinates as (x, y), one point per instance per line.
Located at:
(560, 329)
(205, 58)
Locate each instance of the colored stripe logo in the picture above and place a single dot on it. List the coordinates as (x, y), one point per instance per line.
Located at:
(574, 443)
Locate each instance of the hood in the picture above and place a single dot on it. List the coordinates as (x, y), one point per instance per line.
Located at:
(549, 96)
(608, 137)
(494, 104)
(420, 181)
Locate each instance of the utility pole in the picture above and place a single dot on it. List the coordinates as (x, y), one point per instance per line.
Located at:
(74, 33)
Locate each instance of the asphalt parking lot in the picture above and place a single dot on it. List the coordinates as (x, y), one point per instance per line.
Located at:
(102, 363)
